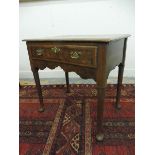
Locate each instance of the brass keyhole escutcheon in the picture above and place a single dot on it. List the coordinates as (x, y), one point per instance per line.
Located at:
(55, 50)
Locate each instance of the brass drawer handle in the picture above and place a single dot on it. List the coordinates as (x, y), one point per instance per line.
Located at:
(75, 54)
(39, 51)
(55, 50)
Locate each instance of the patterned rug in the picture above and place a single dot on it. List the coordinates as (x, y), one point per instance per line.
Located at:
(68, 125)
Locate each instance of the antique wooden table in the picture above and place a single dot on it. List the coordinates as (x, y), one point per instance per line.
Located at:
(89, 56)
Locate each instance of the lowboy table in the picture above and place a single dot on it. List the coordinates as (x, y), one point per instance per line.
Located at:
(89, 56)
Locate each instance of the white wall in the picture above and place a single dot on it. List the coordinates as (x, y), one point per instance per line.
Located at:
(49, 18)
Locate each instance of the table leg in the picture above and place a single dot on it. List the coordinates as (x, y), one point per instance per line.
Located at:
(37, 81)
(67, 81)
(119, 84)
(20, 86)
(100, 109)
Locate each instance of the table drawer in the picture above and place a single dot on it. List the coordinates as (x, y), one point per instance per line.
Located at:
(72, 54)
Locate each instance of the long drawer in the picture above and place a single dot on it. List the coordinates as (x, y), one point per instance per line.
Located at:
(72, 54)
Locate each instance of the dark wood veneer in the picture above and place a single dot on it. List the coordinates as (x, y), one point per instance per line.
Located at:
(91, 58)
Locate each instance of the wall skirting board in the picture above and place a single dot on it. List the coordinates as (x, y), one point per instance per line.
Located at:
(60, 74)
(57, 77)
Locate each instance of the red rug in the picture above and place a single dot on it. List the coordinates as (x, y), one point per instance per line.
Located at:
(68, 125)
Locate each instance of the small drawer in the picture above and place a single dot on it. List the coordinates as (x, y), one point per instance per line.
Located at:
(72, 54)
(50, 53)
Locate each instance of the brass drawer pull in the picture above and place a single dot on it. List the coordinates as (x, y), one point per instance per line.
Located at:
(55, 50)
(39, 51)
(75, 54)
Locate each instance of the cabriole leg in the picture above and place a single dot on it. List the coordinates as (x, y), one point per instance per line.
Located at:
(100, 109)
(38, 86)
(119, 84)
(67, 81)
